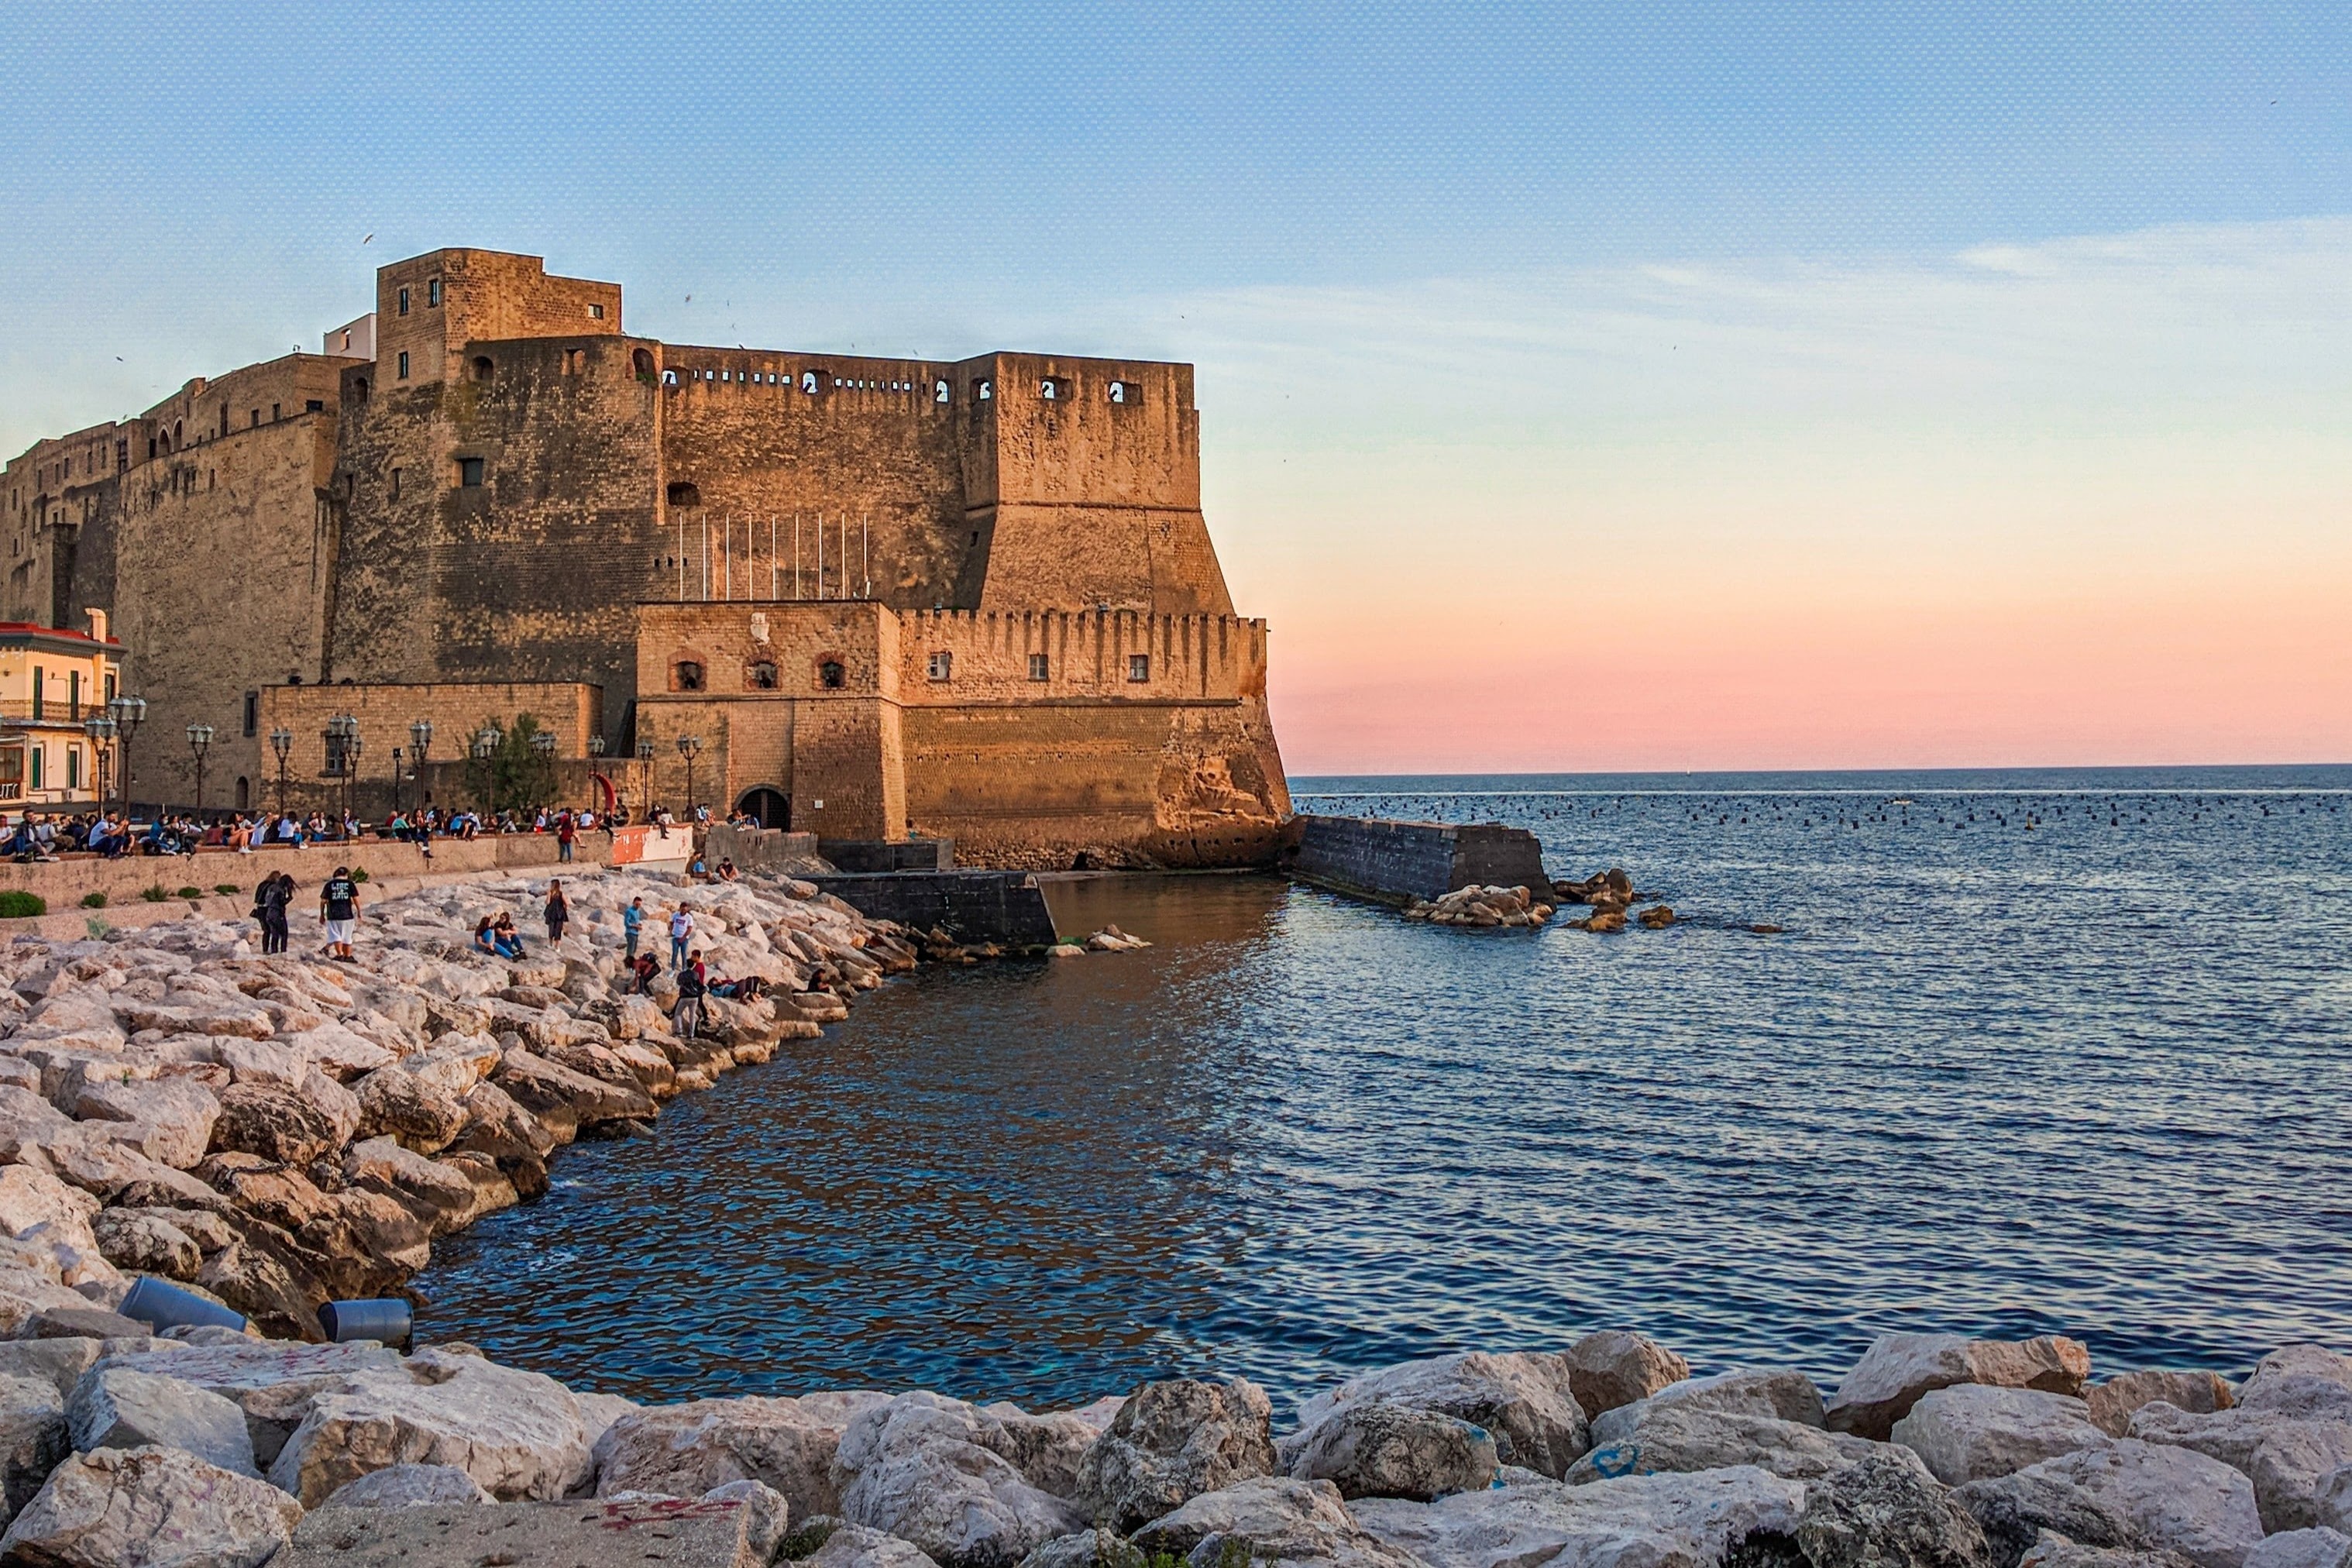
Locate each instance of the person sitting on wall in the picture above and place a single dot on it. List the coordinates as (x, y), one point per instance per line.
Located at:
(20, 844)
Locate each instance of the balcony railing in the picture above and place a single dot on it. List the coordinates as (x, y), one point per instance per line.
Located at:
(47, 710)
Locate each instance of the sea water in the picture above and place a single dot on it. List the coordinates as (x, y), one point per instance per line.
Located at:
(2042, 1052)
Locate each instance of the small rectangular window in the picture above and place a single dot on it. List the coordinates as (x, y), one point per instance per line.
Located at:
(253, 713)
(1040, 668)
(313, 405)
(395, 484)
(404, 365)
(273, 415)
(469, 472)
(253, 419)
(40, 755)
(404, 301)
(433, 291)
(1125, 394)
(1139, 667)
(595, 312)
(942, 665)
(73, 767)
(1053, 389)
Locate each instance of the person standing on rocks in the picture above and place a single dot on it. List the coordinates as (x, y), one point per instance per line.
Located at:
(269, 904)
(339, 905)
(686, 1018)
(633, 920)
(681, 934)
(558, 911)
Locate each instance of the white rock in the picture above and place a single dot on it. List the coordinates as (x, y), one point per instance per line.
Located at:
(2316, 1548)
(1524, 1399)
(686, 1449)
(913, 1469)
(2175, 1499)
(1276, 1519)
(33, 1433)
(150, 1508)
(855, 1546)
(1637, 1520)
(1170, 1442)
(120, 1406)
(520, 1434)
(408, 1486)
(1898, 1368)
(177, 1116)
(1971, 1431)
(2290, 1460)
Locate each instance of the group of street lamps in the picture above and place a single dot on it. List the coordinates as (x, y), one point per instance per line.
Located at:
(117, 722)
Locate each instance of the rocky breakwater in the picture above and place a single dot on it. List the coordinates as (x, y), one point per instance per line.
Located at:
(280, 1132)
(209, 1446)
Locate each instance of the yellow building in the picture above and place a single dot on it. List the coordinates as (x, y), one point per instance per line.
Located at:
(51, 682)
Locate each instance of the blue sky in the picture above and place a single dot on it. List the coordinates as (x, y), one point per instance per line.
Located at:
(1544, 270)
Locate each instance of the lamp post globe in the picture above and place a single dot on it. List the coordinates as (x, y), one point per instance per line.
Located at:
(281, 740)
(100, 729)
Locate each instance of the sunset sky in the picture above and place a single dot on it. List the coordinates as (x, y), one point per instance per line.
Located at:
(1590, 387)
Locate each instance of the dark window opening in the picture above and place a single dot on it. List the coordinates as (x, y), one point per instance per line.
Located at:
(831, 676)
(252, 713)
(404, 365)
(1139, 667)
(685, 493)
(404, 301)
(689, 675)
(433, 291)
(595, 312)
(469, 472)
(482, 367)
(1052, 389)
(318, 405)
(359, 390)
(1040, 667)
(759, 675)
(641, 362)
(395, 484)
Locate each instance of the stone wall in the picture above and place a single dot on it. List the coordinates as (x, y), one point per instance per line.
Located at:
(1395, 862)
(457, 711)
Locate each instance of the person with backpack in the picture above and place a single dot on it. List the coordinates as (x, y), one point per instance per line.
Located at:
(269, 904)
(339, 907)
(558, 911)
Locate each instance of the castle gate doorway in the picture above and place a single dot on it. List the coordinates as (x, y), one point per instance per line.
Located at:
(771, 808)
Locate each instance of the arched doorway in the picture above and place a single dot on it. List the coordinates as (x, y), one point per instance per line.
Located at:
(771, 808)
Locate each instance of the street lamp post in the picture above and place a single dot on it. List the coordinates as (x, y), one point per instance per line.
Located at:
(487, 741)
(397, 756)
(645, 777)
(341, 736)
(200, 742)
(687, 745)
(543, 743)
(281, 740)
(99, 728)
(420, 736)
(128, 713)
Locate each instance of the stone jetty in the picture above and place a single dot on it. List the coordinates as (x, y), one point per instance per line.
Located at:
(277, 1131)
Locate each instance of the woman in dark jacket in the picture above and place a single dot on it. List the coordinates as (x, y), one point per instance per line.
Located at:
(558, 911)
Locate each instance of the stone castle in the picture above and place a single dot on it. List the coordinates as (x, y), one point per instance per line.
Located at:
(878, 598)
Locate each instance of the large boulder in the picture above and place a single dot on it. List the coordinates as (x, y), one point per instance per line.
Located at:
(1525, 1400)
(518, 1434)
(271, 1381)
(1779, 1394)
(855, 1546)
(1047, 1449)
(274, 1123)
(726, 1532)
(1898, 1368)
(2307, 1380)
(142, 1241)
(173, 1116)
(2111, 1402)
(917, 1467)
(2316, 1548)
(1395, 1450)
(1883, 1512)
(33, 1436)
(1086, 1549)
(418, 1110)
(1612, 1367)
(118, 1406)
(1270, 1519)
(1667, 1520)
(1973, 1431)
(1171, 1442)
(409, 1486)
(2128, 1493)
(150, 1508)
(1673, 1440)
(685, 1450)
(2054, 1551)
(2290, 1460)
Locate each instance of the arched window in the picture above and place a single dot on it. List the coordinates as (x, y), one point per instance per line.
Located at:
(358, 389)
(940, 390)
(759, 675)
(642, 361)
(482, 367)
(685, 493)
(831, 676)
(687, 675)
(244, 792)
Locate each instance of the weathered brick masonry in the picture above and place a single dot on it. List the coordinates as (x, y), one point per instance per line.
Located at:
(1003, 558)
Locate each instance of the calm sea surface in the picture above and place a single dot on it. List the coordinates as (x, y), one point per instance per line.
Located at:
(2037, 1051)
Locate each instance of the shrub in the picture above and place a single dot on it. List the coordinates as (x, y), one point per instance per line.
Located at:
(190, 892)
(154, 895)
(225, 888)
(360, 875)
(16, 904)
(93, 900)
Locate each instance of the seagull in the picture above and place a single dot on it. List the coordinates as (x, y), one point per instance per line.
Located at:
(371, 236)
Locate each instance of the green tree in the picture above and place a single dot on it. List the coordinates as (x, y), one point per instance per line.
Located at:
(519, 778)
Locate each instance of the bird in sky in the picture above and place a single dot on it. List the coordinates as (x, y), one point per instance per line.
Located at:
(371, 236)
